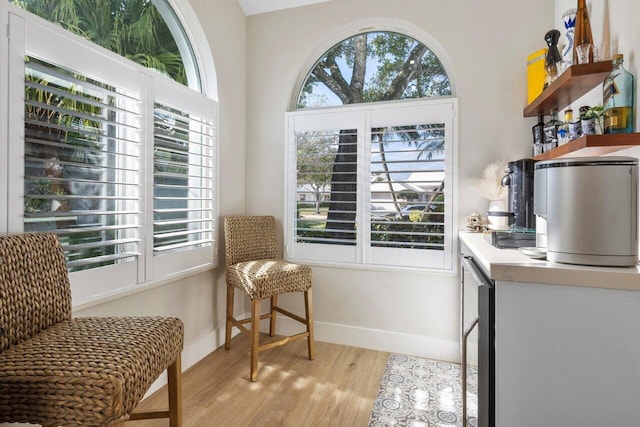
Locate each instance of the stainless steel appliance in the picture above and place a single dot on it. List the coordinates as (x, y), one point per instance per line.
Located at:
(477, 336)
(591, 209)
(519, 179)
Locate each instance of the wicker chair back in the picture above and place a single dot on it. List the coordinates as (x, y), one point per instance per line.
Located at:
(250, 238)
(34, 286)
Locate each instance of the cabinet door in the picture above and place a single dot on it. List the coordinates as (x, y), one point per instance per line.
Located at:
(566, 356)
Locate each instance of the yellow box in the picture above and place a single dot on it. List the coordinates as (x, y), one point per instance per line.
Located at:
(535, 74)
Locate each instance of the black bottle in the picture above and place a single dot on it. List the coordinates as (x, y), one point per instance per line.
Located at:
(538, 136)
(553, 56)
(551, 131)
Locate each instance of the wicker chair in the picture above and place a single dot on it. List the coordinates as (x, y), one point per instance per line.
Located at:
(59, 371)
(253, 266)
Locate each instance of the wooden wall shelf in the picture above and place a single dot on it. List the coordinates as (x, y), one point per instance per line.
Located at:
(569, 86)
(593, 145)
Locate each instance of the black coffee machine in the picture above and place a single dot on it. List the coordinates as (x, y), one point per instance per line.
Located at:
(519, 179)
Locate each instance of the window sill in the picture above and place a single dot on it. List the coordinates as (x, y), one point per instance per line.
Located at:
(142, 287)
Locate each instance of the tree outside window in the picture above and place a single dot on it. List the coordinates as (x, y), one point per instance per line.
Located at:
(374, 67)
(134, 29)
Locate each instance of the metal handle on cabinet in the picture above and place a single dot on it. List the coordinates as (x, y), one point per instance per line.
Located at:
(469, 263)
(465, 336)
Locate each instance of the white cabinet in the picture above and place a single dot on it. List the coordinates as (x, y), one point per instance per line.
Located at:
(567, 356)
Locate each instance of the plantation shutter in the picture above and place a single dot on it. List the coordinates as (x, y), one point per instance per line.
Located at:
(410, 178)
(327, 162)
(82, 157)
(323, 190)
(372, 184)
(117, 160)
(184, 180)
(407, 182)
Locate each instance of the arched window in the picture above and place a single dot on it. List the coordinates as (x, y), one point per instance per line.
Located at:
(370, 155)
(114, 152)
(374, 66)
(146, 32)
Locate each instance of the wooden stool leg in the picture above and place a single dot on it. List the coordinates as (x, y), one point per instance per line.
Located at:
(255, 337)
(174, 374)
(308, 308)
(229, 325)
(272, 322)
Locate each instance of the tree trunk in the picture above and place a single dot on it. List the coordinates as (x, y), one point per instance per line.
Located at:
(317, 194)
(341, 218)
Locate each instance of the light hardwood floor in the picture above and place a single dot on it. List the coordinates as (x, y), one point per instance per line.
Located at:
(337, 388)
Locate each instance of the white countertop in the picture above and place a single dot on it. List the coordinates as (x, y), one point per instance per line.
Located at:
(511, 265)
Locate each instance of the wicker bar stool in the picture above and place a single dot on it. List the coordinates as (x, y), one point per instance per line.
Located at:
(254, 266)
(59, 371)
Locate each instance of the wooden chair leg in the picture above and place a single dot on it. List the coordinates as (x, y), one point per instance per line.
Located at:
(174, 374)
(308, 308)
(255, 337)
(272, 322)
(229, 325)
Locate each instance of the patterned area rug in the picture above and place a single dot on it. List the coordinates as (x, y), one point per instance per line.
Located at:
(423, 392)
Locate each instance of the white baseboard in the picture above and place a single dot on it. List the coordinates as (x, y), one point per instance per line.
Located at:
(376, 339)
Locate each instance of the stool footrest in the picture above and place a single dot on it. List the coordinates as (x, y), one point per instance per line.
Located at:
(282, 341)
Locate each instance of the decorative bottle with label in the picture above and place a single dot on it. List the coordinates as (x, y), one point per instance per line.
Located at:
(563, 130)
(553, 57)
(551, 131)
(569, 21)
(582, 33)
(617, 99)
(538, 136)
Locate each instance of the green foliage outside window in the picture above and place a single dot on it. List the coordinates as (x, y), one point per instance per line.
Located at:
(131, 28)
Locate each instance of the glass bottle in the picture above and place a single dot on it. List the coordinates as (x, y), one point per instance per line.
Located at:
(538, 136)
(617, 99)
(563, 130)
(582, 33)
(553, 56)
(551, 131)
(569, 21)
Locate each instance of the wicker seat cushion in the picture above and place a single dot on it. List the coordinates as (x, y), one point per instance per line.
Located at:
(267, 277)
(86, 371)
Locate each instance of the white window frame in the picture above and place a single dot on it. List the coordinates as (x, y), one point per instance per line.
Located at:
(363, 117)
(168, 92)
(28, 34)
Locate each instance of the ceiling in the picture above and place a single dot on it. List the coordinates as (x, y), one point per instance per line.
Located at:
(253, 7)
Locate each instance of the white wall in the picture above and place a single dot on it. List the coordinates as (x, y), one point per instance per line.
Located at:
(487, 43)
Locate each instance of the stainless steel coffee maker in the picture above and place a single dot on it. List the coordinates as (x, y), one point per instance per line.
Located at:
(519, 179)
